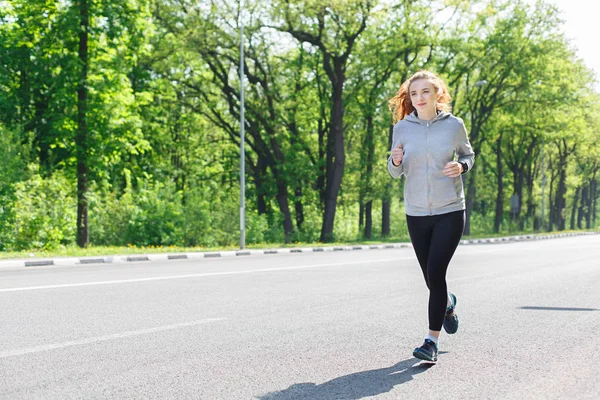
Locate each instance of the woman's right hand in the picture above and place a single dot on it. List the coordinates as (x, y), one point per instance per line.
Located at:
(397, 155)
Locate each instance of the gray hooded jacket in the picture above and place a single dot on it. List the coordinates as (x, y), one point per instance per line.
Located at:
(428, 146)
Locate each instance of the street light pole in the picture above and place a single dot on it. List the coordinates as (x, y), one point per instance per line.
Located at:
(242, 136)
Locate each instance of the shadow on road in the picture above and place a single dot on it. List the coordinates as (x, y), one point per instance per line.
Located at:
(354, 386)
(558, 308)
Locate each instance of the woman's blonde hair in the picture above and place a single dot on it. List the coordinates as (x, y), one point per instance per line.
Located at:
(401, 106)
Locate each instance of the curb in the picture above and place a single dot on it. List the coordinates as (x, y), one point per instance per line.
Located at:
(65, 261)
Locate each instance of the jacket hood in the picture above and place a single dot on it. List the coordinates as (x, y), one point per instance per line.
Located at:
(412, 117)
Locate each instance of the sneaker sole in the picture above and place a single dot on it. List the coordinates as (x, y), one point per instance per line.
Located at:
(453, 331)
(423, 356)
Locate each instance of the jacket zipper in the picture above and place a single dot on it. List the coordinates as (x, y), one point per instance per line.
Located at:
(428, 172)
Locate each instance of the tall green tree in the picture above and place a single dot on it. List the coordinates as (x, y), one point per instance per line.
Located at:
(332, 29)
(505, 58)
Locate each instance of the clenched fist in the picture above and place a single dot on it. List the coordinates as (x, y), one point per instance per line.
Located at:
(453, 169)
(397, 155)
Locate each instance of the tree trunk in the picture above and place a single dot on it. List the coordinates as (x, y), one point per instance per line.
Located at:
(499, 186)
(282, 200)
(385, 202)
(519, 193)
(385, 215)
(583, 202)
(574, 208)
(361, 213)
(321, 131)
(259, 173)
(81, 141)
(299, 207)
(552, 219)
(471, 193)
(592, 207)
(276, 161)
(561, 200)
(335, 156)
(369, 149)
(368, 220)
(471, 179)
(522, 176)
(530, 213)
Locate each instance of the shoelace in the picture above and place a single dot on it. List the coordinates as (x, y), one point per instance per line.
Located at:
(429, 346)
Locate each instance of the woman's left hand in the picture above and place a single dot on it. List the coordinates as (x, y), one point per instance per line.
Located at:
(453, 169)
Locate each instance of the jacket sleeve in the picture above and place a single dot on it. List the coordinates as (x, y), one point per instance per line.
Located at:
(463, 148)
(394, 171)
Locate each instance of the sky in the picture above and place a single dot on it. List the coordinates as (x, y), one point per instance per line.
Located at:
(581, 22)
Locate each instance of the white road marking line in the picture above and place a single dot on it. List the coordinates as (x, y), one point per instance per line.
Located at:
(479, 251)
(37, 349)
(161, 278)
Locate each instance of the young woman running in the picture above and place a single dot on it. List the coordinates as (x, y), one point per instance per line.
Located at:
(431, 149)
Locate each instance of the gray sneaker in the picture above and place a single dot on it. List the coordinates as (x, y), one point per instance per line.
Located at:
(451, 319)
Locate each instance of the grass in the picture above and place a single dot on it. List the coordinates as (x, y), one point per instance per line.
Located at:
(74, 251)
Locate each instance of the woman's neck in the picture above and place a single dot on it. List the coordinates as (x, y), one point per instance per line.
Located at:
(427, 116)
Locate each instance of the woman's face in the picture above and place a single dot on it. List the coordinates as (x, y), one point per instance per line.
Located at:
(423, 95)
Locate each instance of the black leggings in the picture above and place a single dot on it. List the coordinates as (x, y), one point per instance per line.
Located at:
(435, 239)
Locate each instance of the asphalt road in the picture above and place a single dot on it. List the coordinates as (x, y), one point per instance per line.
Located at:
(306, 326)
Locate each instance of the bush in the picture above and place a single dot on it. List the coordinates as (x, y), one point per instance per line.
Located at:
(149, 215)
(42, 214)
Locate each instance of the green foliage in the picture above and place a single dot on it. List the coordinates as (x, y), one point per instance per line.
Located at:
(12, 162)
(155, 214)
(42, 214)
(163, 116)
(148, 215)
